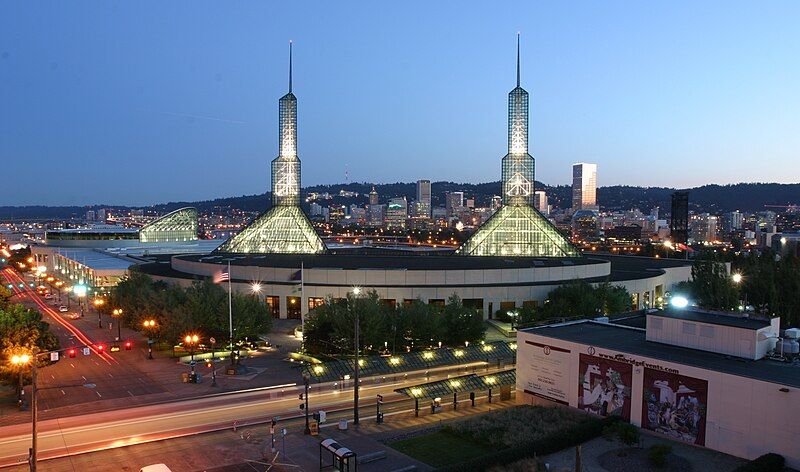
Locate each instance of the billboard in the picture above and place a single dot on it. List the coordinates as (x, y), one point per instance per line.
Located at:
(547, 376)
(604, 386)
(675, 406)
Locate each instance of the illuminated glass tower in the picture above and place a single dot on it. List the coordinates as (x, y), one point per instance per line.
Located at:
(517, 229)
(518, 165)
(284, 228)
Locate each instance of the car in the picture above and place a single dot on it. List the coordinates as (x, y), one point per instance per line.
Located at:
(63, 309)
(49, 296)
(74, 316)
(155, 468)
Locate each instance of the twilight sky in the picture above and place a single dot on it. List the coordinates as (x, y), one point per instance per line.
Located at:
(139, 102)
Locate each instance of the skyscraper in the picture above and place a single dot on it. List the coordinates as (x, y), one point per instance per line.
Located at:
(373, 196)
(423, 206)
(517, 229)
(679, 218)
(284, 228)
(540, 202)
(584, 186)
(397, 213)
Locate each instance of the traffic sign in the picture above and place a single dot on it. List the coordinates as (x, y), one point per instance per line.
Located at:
(86, 351)
(53, 356)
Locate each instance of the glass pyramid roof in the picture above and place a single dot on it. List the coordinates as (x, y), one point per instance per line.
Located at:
(283, 229)
(518, 230)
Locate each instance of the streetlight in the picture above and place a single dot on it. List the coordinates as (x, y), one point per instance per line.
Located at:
(255, 288)
(80, 291)
(191, 340)
(679, 301)
(117, 313)
(20, 361)
(149, 325)
(98, 302)
(356, 334)
(738, 278)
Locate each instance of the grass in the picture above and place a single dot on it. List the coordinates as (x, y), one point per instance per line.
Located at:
(440, 448)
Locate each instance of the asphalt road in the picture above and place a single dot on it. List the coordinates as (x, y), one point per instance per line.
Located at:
(113, 375)
(122, 427)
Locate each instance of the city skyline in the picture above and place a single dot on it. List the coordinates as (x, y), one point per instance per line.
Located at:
(196, 104)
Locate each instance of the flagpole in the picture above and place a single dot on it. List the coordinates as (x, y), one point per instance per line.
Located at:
(230, 310)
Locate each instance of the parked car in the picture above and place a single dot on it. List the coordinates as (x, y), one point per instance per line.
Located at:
(63, 309)
(155, 468)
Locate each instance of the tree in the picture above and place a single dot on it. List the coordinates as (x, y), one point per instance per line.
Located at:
(711, 285)
(460, 324)
(22, 329)
(581, 299)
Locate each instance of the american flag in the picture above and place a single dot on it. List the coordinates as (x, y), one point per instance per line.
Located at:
(222, 276)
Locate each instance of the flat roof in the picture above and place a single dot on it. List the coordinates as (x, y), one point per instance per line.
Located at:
(382, 261)
(711, 317)
(633, 341)
(97, 260)
(96, 230)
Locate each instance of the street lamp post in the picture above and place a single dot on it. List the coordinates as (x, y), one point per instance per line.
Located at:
(20, 361)
(305, 399)
(148, 326)
(98, 302)
(356, 292)
(738, 278)
(117, 313)
(191, 340)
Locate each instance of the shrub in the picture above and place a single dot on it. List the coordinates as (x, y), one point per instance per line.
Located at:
(657, 455)
(767, 463)
(556, 441)
(625, 433)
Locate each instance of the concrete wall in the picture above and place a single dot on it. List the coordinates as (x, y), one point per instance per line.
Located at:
(745, 417)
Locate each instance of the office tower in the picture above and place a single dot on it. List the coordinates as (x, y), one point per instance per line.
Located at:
(90, 216)
(454, 203)
(373, 196)
(732, 221)
(540, 202)
(703, 228)
(497, 202)
(397, 213)
(102, 215)
(423, 204)
(679, 218)
(654, 212)
(584, 186)
(517, 229)
(585, 225)
(284, 228)
(470, 203)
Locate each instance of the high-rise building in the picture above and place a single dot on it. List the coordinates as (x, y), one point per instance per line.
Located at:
(423, 204)
(373, 196)
(679, 218)
(703, 228)
(517, 229)
(540, 202)
(102, 215)
(284, 228)
(454, 203)
(732, 221)
(90, 216)
(397, 213)
(584, 186)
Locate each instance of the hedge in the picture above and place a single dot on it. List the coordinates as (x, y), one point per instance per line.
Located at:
(767, 463)
(558, 441)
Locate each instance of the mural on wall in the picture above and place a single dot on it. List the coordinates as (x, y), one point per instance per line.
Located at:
(604, 386)
(675, 406)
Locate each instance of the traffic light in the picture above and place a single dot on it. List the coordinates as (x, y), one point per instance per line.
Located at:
(302, 397)
(128, 345)
(72, 352)
(208, 364)
(302, 406)
(100, 348)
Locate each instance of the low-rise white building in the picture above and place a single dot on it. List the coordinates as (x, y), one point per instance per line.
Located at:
(692, 375)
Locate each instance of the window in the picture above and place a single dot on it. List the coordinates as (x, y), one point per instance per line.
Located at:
(689, 328)
(314, 302)
(274, 306)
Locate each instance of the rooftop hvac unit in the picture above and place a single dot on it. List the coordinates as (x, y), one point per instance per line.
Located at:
(792, 333)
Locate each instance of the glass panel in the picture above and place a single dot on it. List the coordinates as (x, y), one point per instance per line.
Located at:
(179, 225)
